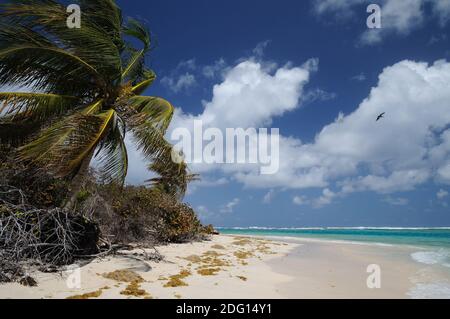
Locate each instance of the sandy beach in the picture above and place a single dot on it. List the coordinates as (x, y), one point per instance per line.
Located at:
(242, 267)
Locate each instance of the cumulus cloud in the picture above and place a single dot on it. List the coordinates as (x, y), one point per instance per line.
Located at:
(300, 200)
(324, 199)
(408, 147)
(215, 69)
(182, 77)
(180, 82)
(441, 194)
(396, 201)
(398, 17)
(229, 207)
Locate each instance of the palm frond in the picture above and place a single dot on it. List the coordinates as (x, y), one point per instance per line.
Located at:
(47, 69)
(106, 15)
(15, 134)
(173, 177)
(113, 157)
(134, 65)
(138, 31)
(148, 78)
(35, 106)
(90, 43)
(13, 35)
(62, 148)
(134, 68)
(152, 112)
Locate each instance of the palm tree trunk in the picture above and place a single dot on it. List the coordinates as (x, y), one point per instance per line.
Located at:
(78, 182)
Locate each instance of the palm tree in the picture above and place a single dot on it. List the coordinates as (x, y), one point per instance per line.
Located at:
(85, 93)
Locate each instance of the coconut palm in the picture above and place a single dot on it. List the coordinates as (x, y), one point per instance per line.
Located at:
(83, 96)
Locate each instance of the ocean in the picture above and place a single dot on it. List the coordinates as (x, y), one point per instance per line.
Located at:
(431, 247)
(422, 237)
(433, 244)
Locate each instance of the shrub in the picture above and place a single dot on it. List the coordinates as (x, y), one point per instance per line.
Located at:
(140, 214)
(42, 190)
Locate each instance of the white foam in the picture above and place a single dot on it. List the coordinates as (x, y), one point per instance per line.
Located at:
(318, 240)
(438, 290)
(441, 257)
(334, 228)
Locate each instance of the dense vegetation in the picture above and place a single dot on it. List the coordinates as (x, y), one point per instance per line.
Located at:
(82, 97)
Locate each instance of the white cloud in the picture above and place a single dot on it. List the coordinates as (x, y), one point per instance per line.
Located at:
(229, 207)
(203, 212)
(405, 149)
(360, 77)
(180, 82)
(190, 64)
(318, 95)
(442, 194)
(267, 199)
(397, 17)
(217, 68)
(182, 77)
(325, 199)
(258, 51)
(396, 201)
(442, 10)
(300, 200)
(206, 181)
(408, 147)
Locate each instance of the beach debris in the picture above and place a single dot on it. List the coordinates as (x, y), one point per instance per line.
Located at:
(194, 258)
(124, 275)
(134, 289)
(176, 280)
(242, 254)
(89, 295)
(49, 238)
(241, 241)
(217, 246)
(208, 271)
(28, 281)
(242, 278)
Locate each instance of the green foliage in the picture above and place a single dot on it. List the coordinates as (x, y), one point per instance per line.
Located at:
(85, 92)
(42, 190)
(83, 195)
(139, 214)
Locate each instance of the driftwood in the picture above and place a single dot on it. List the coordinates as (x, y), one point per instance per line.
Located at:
(47, 239)
(43, 238)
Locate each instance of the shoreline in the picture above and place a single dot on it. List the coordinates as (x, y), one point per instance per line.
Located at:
(248, 267)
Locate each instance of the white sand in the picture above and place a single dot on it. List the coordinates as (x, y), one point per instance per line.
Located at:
(248, 277)
(249, 267)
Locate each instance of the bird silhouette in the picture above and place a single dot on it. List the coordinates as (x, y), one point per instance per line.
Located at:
(380, 116)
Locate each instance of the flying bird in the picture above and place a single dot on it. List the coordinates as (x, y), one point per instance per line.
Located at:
(380, 116)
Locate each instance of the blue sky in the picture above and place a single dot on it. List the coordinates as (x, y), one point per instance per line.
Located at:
(336, 170)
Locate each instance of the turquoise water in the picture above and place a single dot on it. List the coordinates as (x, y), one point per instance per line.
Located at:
(434, 237)
(432, 248)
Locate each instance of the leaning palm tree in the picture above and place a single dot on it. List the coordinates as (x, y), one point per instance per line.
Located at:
(83, 96)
